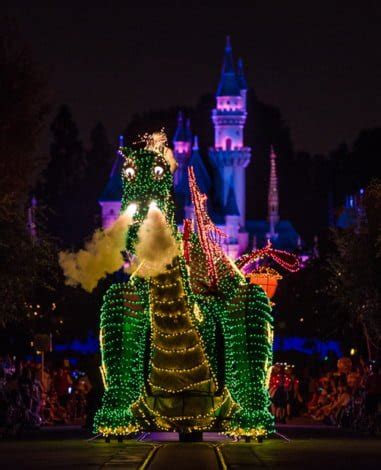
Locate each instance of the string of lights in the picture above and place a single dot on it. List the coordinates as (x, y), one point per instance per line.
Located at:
(160, 334)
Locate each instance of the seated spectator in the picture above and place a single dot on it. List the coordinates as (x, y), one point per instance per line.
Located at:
(61, 382)
(294, 398)
(278, 393)
(55, 413)
(331, 412)
(373, 397)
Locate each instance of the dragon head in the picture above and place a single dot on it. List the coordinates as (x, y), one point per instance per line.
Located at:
(147, 184)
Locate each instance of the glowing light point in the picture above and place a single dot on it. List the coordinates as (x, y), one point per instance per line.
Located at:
(131, 209)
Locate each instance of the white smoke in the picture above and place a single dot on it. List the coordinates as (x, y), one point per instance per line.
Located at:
(101, 256)
(156, 246)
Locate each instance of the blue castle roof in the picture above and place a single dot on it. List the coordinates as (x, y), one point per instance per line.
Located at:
(203, 179)
(181, 134)
(241, 76)
(231, 207)
(113, 190)
(228, 85)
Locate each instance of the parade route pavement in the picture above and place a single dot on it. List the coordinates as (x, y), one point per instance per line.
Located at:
(328, 450)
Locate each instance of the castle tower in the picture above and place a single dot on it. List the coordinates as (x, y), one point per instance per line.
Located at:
(202, 176)
(229, 155)
(232, 225)
(242, 81)
(273, 197)
(182, 146)
(110, 200)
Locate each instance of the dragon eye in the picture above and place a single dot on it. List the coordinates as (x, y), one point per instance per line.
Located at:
(158, 171)
(129, 173)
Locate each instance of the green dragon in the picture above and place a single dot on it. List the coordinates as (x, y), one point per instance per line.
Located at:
(187, 347)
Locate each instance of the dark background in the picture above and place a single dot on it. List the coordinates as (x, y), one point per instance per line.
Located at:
(313, 71)
(319, 62)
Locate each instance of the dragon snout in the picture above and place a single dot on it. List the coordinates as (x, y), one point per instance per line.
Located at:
(139, 210)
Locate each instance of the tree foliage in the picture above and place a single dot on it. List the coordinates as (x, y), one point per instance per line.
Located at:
(23, 108)
(26, 265)
(354, 281)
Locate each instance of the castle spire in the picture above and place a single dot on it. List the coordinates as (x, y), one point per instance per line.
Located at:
(195, 143)
(241, 75)
(188, 130)
(228, 85)
(182, 145)
(180, 135)
(273, 197)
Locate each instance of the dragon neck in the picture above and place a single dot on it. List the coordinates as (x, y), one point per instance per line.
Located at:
(178, 359)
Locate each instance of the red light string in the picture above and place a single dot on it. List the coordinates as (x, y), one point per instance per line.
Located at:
(287, 260)
(188, 225)
(209, 235)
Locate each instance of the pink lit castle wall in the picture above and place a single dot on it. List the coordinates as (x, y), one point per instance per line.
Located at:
(225, 185)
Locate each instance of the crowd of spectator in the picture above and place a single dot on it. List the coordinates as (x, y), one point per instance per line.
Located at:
(31, 396)
(349, 396)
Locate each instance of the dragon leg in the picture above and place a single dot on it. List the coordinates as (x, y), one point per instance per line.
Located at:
(259, 334)
(124, 326)
(247, 326)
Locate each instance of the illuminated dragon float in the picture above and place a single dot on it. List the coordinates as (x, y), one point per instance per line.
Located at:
(186, 343)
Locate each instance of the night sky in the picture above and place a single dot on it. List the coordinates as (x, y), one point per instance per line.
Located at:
(319, 62)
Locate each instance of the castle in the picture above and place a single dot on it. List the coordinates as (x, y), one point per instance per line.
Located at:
(226, 184)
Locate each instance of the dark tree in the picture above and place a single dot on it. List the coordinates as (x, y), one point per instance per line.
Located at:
(353, 169)
(23, 108)
(364, 159)
(100, 158)
(27, 264)
(61, 187)
(354, 281)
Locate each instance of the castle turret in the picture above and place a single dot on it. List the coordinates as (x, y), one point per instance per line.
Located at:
(242, 81)
(232, 223)
(110, 200)
(229, 155)
(182, 145)
(202, 176)
(273, 197)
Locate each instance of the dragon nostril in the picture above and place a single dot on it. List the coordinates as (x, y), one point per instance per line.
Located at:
(131, 209)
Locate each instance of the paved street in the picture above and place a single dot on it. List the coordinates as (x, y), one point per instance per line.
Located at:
(330, 451)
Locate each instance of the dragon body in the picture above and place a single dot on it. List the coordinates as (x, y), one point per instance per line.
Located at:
(188, 345)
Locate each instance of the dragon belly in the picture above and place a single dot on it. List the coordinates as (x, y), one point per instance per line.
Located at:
(182, 392)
